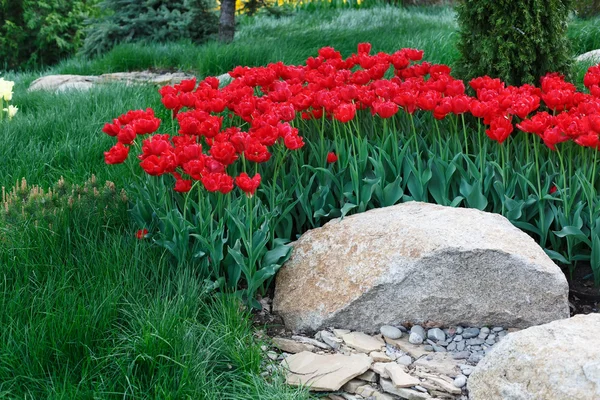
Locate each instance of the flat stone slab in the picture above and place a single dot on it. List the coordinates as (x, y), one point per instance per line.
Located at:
(324, 372)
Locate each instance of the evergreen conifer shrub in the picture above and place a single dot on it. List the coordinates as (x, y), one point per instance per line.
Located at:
(36, 33)
(518, 41)
(149, 20)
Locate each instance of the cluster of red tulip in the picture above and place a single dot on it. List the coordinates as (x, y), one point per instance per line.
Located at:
(269, 99)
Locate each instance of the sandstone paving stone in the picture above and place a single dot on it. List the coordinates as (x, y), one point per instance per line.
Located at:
(363, 342)
(369, 376)
(352, 385)
(313, 342)
(439, 381)
(413, 350)
(399, 377)
(409, 394)
(379, 356)
(292, 346)
(379, 368)
(324, 372)
(442, 363)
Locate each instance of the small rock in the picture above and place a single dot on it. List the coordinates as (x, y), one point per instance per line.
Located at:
(369, 376)
(461, 355)
(485, 330)
(362, 342)
(460, 381)
(404, 360)
(460, 346)
(314, 342)
(365, 391)
(402, 328)
(470, 333)
(419, 330)
(331, 340)
(341, 332)
(491, 341)
(459, 330)
(482, 335)
(467, 371)
(399, 377)
(378, 356)
(415, 338)
(475, 358)
(458, 338)
(497, 329)
(475, 342)
(404, 393)
(291, 346)
(428, 347)
(352, 385)
(272, 355)
(439, 349)
(420, 389)
(451, 346)
(324, 372)
(390, 332)
(379, 368)
(436, 334)
(502, 334)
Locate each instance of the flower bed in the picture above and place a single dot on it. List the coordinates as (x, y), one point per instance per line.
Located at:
(374, 130)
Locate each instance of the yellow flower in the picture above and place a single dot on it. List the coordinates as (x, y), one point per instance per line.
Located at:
(12, 111)
(6, 88)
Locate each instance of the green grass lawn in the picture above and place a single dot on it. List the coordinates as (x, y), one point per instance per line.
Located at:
(90, 312)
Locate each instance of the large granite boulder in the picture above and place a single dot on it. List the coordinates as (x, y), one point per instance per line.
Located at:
(556, 361)
(419, 263)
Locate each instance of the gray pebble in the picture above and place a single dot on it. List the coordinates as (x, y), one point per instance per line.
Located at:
(418, 329)
(475, 342)
(458, 338)
(439, 349)
(436, 334)
(460, 346)
(460, 381)
(497, 329)
(402, 328)
(470, 333)
(459, 330)
(421, 389)
(404, 360)
(476, 348)
(502, 334)
(461, 355)
(475, 358)
(467, 371)
(390, 332)
(482, 335)
(415, 338)
(485, 330)
(451, 346)
(443, 343)
(491, 342)
(428, 348)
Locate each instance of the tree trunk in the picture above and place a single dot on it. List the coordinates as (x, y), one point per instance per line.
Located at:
(227, 21)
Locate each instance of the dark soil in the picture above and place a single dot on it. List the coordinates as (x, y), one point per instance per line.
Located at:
(584, 296)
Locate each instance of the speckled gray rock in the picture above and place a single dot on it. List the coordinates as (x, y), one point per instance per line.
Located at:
(436, 334)
(415, 263)
(470, 333)
(390, 332)
(555, 361)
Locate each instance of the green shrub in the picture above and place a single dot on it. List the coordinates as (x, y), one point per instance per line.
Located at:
(37, 33)
(587, 8)
(518, 40)
(149, 20)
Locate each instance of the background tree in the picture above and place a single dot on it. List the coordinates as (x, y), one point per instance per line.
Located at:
(227, 21)
(515, 40)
